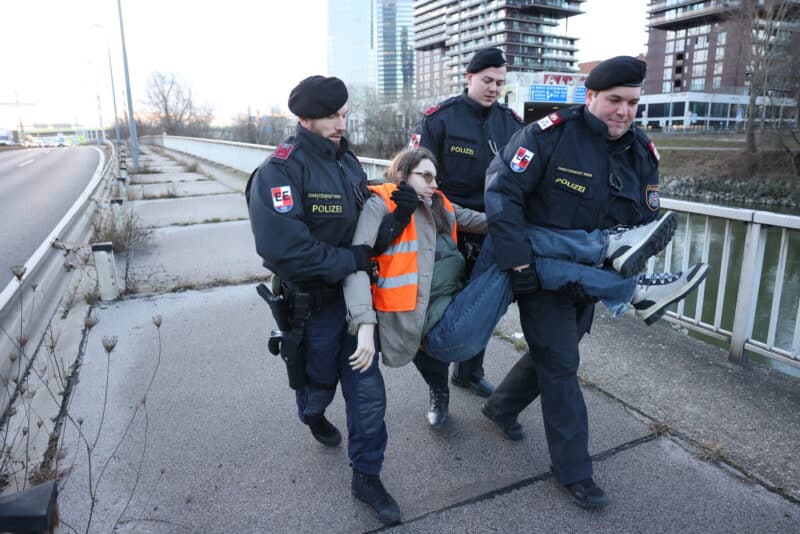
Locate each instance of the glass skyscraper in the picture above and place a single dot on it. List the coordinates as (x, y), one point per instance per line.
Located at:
(371, 43)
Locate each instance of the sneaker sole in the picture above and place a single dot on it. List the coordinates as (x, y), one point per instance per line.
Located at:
(633, 259)
(696, 277)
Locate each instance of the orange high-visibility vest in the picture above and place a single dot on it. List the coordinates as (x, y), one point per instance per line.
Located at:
(396, 289)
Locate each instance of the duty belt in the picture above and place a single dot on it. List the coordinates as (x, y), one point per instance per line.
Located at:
(321, 294)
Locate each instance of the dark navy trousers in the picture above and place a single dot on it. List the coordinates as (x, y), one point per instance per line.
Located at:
(553, 326)
(328, 347)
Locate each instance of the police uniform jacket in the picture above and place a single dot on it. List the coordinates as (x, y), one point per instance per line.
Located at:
(400, 332)
(464, 136)
(304, 203)
(564, 172)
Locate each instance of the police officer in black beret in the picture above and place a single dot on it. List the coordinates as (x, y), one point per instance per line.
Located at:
(464, 133)
(304, 203)
(585, 167)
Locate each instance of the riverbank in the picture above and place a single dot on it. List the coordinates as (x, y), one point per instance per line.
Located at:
(719, 176)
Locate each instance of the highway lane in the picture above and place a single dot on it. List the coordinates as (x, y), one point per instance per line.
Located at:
(37, 187)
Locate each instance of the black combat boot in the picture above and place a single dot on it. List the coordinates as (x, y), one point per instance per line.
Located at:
(324, 432)
(438, 410)
(369, 489)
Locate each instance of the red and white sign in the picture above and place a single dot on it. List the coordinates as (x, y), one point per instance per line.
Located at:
(414, 141)
(563, 79)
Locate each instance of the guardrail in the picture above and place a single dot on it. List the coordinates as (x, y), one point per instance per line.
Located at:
(734, 241)
(244, 157)
(40, 287)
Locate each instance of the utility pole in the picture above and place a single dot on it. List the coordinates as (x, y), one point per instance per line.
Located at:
(131, 117)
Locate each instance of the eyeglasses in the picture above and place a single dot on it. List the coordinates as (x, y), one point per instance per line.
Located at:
(427, 176)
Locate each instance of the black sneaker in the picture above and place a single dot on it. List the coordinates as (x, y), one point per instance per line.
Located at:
(629, 248)
(511, 430)
(587, 494)
(438, 412)
(324, 432)
(655, 292)
(369, 489)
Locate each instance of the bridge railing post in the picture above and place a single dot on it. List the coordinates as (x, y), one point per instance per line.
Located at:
(746, 299)
(107, 280)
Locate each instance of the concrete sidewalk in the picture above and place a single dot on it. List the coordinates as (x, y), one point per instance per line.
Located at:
(217, 447)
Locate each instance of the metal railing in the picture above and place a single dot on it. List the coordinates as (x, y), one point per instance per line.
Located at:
(38, 292)
(746, 301)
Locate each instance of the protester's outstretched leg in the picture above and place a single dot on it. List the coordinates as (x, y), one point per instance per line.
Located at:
(605, 284)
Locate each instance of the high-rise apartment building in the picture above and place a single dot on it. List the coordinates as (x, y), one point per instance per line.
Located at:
(448, 32)
(699, 62)
(370, 44)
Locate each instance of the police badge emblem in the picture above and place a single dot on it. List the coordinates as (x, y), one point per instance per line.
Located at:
(521, 159)
(282, 199)
(652, 197)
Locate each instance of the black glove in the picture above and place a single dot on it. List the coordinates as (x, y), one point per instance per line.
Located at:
(575, 291)
(362, 255)
(390, 229)
(525, 281)
(406, 199)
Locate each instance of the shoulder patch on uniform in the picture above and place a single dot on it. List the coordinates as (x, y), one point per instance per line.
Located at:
(549, 121)
(521, 159)
(652, 197)
(431, 110)
(283, 151)
(414, 141)
(282, 198)
(652, 146)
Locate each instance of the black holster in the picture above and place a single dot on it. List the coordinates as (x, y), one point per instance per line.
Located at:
(288, 341)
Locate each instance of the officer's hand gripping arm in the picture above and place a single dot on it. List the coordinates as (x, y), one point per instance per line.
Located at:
(395, 222)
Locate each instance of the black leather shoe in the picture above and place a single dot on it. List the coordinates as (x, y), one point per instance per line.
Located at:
(511, 430)
(587, 494)
(369, 489)
(438, 411)
(324, 432)
(479, 386)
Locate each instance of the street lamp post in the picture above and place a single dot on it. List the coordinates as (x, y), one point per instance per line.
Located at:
(113, 90)
(131, 118)
(113, 95)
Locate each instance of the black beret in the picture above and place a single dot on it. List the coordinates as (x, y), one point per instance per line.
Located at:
(623, 71)
(317, 96)
(485, 58)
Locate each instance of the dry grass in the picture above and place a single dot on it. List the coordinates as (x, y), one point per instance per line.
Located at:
(711, 452)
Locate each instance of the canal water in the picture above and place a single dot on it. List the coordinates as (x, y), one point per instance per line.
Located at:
(790, 295)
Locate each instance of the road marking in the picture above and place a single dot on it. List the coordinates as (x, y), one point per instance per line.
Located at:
(25, 163)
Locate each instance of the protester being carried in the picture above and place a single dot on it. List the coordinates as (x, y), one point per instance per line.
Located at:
(421, 272)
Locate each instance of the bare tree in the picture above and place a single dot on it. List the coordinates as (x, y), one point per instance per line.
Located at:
(173, 107)
(769, 51)
(378, 129)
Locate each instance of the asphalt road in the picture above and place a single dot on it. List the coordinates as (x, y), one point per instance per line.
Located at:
(37, 187)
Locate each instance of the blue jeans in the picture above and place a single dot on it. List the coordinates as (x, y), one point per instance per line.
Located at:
(561, 256)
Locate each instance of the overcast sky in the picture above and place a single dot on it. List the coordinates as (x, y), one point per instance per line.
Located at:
(233, 54)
